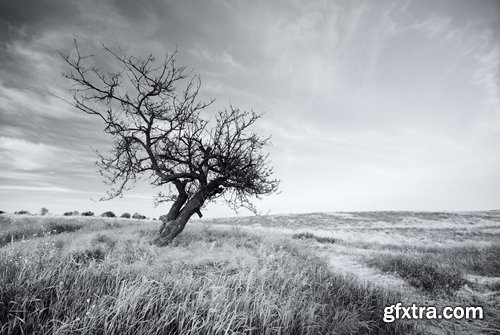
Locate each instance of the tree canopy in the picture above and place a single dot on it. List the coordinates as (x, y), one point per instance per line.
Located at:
(163, 131)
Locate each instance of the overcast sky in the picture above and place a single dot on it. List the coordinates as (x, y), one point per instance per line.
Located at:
(372, 105)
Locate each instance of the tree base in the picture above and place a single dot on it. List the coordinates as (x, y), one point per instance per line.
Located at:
(169, 231)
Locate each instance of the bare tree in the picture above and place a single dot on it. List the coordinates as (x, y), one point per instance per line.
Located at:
(152, 111)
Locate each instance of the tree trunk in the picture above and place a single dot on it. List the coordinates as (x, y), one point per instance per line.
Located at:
(171, 227)
(170, 231)
(174, 211)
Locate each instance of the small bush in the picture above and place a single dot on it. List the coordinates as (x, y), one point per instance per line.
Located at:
(88, 213)
(43, 211)
(2, 212)
(138, 216)
(22, 212)
(108, 214)
(73, 213)
(125, 215)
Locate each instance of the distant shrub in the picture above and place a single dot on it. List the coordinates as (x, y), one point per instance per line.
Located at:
(302, 236)
(2, 212)
(307, 235)
(322, 239)
(125, 215)
(43, 211)
(138, 216)
(73, 213)
(108, 214)
(88, 213)
(22, 212)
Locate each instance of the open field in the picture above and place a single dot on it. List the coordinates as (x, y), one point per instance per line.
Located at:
(440, 259)
(290, 274)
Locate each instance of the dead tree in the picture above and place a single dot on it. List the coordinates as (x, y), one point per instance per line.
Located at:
(161, 130)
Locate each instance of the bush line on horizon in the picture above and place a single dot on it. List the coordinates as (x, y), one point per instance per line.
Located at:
(109, 214)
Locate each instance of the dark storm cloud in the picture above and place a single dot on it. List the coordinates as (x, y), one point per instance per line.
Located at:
(22, 22)
(27, 19)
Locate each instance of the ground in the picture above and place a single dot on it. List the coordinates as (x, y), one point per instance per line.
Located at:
(320, 273)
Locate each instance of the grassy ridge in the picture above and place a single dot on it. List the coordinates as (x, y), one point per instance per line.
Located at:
(111, 281)
(26, 227)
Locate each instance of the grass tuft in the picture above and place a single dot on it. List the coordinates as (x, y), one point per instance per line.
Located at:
(104, 239)
(86, 256)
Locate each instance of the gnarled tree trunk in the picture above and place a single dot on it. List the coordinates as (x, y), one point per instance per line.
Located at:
(175, 221)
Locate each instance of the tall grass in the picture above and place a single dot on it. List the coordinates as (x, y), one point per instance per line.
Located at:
(208, 282)
(426, 273)
(481, 260)
(22, 227)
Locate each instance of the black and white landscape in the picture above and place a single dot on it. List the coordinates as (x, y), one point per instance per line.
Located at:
(270, 167)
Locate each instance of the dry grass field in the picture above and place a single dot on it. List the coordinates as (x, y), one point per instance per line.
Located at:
(325, 273)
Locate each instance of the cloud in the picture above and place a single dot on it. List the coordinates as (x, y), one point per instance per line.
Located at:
(19, 154)
(44, 189)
